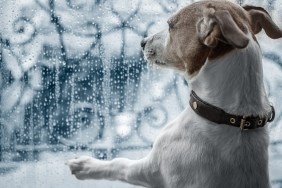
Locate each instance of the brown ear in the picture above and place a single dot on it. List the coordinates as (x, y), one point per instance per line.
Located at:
(229, 29)
(211, 27)
(260, 19)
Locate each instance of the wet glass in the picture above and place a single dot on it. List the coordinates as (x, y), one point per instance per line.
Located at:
(73, 81)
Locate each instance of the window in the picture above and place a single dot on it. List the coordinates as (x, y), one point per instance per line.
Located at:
(73, 81)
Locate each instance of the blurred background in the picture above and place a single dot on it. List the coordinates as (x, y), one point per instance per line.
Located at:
(73, 82)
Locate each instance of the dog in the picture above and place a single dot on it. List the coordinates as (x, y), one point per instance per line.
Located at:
(221, 139)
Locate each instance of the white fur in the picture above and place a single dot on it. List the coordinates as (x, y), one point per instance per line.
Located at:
(234, 82)
(194, 152)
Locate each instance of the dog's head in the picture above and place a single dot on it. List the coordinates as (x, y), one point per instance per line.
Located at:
(206, 30)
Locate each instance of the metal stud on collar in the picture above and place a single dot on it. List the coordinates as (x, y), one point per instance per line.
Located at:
(232, 120)
(195, 105)
(260, 122)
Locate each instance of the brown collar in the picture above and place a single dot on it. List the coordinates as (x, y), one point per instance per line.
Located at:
(219, 116)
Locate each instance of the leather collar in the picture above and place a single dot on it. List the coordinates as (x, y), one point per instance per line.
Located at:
(219, 116)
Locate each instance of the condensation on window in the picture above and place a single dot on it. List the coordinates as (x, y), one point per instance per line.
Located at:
(73, 81)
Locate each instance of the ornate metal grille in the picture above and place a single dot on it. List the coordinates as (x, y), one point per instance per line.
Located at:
(73, 77)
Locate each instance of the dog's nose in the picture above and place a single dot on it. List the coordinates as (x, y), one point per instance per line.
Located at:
(143, 43)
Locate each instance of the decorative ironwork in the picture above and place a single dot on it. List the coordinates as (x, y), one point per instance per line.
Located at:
(63, 85)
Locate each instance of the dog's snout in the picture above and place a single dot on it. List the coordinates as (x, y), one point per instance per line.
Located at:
(143, 43)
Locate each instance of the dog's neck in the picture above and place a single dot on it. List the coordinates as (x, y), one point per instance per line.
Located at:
(234, 82)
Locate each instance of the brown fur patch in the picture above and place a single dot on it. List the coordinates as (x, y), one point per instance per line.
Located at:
(201, 31)
(194, 54)
(220, 50)
(199, 60)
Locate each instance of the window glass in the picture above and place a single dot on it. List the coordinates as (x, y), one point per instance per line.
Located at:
(73, 82)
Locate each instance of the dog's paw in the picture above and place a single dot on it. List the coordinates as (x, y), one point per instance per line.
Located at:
(84, 167)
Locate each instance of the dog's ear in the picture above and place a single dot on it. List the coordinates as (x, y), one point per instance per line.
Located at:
(208, 32)
(220, 23)
(229, 29)
(260, 19)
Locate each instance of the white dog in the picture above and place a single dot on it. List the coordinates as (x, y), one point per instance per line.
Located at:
(221, 138)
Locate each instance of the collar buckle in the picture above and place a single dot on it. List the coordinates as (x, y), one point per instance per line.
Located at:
(244, 123)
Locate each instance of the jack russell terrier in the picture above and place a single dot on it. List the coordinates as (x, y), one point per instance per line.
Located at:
(221, 139)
